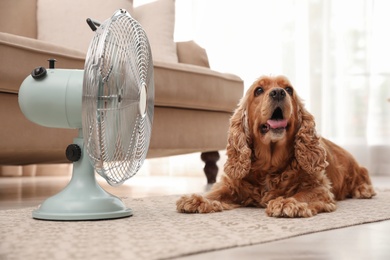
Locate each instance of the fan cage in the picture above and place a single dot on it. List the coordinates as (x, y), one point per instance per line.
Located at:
(118, 69)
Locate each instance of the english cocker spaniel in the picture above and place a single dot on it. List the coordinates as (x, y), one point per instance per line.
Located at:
(275, 160)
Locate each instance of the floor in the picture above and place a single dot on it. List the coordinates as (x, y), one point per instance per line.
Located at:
(369, 241)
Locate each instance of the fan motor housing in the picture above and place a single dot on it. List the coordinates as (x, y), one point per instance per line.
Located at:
(54, 100)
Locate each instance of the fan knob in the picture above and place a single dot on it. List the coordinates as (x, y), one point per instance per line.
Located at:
(73, 152)
(39, 73)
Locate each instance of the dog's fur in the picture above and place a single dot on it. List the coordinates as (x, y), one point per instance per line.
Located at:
(277, 161)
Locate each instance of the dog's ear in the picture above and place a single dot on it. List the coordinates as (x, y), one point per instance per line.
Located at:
(239, 153)
(309, 152)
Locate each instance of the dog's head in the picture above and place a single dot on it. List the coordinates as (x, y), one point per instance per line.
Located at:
(271, 109)
(272, 113)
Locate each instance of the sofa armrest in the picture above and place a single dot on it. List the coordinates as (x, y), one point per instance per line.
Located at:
(191, 53)
(19, 55)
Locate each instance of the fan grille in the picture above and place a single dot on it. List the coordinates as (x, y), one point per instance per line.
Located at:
(116, 123)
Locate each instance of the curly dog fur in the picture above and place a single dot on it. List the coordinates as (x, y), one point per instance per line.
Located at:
(277, 161)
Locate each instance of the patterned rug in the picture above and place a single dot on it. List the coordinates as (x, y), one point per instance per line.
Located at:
(157, 231)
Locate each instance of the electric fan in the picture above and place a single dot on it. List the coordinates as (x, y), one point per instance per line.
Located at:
(111, 102)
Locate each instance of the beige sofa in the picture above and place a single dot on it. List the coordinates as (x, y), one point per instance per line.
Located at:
(193, 103)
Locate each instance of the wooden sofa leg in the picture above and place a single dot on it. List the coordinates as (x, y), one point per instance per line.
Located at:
(210, 168)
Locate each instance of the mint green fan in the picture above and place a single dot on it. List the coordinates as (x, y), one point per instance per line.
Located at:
(111, 102)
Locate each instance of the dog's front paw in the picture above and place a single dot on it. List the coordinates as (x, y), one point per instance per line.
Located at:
(364, 191)
(197, 204)
(288, 207)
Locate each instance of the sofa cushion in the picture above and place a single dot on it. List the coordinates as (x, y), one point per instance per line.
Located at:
(193, 87)
(185, 54)
(74, 32)
(158, 20)
(176, 84)
(20, 55)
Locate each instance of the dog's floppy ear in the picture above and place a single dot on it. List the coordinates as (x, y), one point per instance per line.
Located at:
(310, 154)
(239, 153)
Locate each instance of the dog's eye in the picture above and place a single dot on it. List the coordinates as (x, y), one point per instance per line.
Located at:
(259, 91)
(289, 90)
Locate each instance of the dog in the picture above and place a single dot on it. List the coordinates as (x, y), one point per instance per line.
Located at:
(276, 160)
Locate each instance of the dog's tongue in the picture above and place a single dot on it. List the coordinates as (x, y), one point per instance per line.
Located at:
(277, 123)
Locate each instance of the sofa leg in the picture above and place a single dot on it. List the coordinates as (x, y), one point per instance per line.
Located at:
(210, 168)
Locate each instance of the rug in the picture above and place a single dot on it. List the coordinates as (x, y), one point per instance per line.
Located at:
(157, 231)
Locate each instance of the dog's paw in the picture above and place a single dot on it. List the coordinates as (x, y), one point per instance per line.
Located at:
(289, 207)
(364, 191)
(197, 204)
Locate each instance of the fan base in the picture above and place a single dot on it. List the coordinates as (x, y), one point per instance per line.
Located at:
(82, 198)
(94, 209)
(38, 214)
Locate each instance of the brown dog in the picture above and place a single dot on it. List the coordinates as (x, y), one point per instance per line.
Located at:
(277, 161)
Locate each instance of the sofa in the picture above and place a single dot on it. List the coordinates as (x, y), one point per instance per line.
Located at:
(193, 103)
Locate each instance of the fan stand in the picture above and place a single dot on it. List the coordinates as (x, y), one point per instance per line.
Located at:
(82, 198)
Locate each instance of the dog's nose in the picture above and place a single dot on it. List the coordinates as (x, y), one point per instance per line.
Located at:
(277, 94)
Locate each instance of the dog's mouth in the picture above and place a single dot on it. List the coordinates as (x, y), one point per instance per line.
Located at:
(277, 123)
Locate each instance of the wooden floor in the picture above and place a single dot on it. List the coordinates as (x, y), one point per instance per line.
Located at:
(20, 192)
(369, 241)
(163, 176)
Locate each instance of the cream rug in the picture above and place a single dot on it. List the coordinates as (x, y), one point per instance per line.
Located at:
(157, 231)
